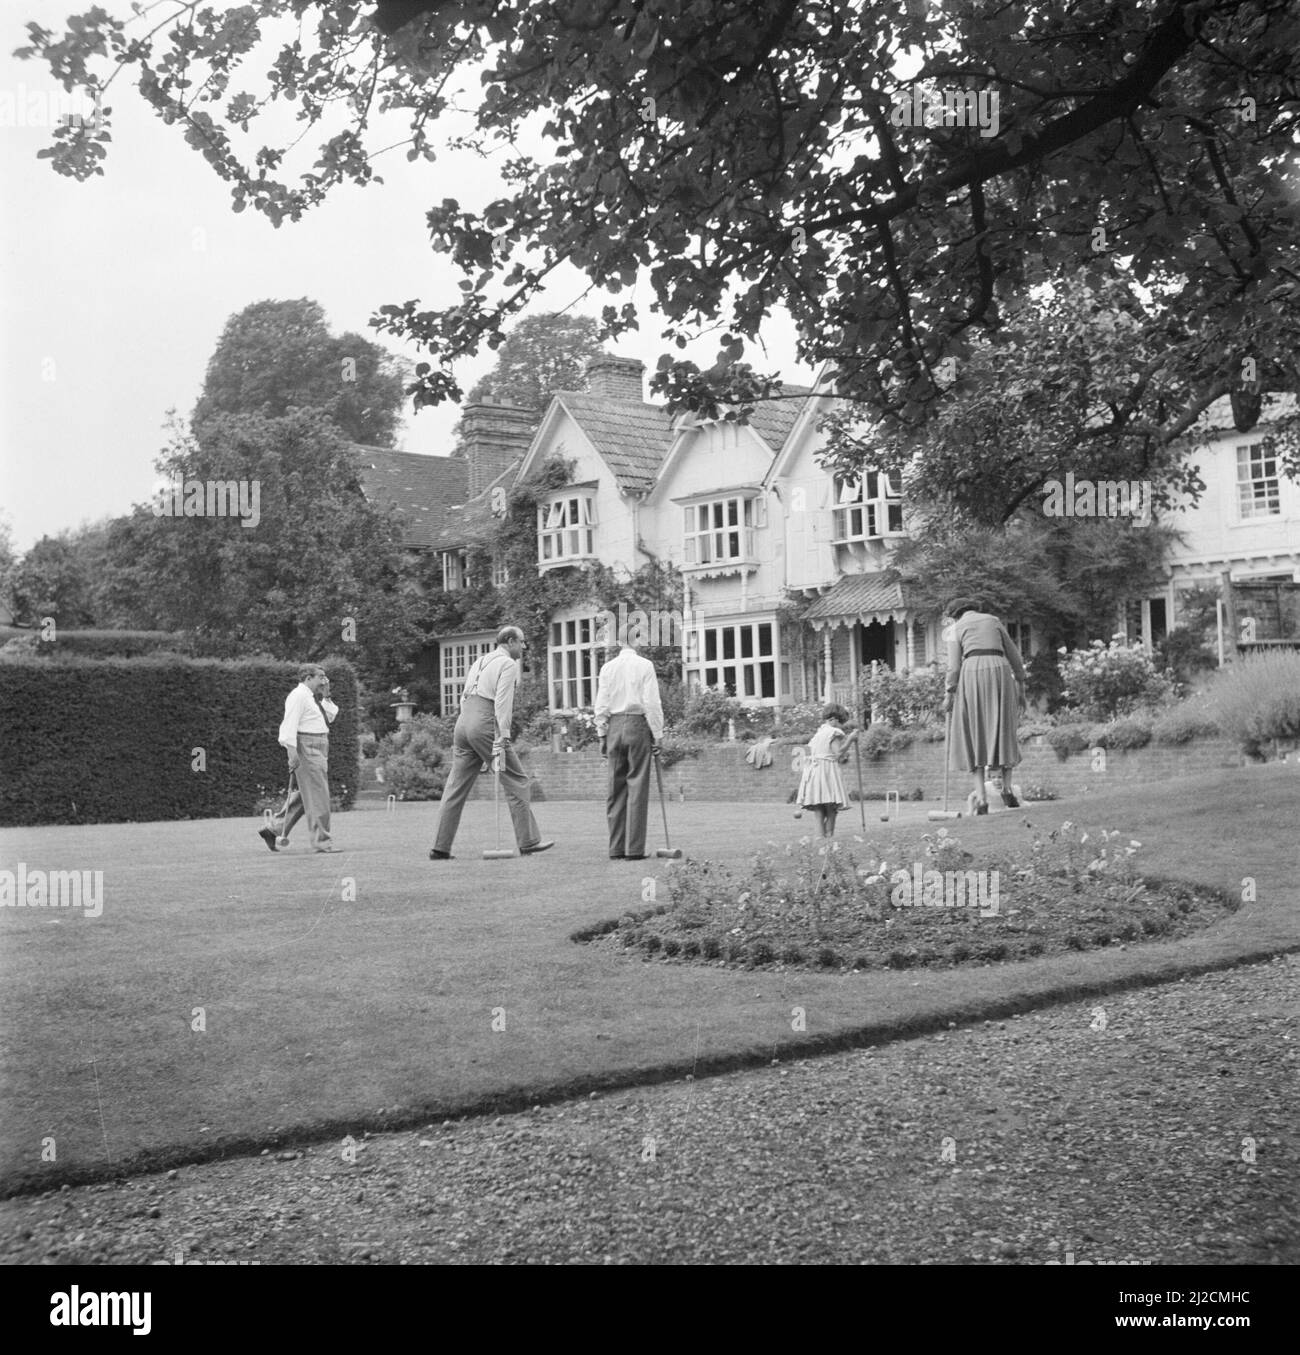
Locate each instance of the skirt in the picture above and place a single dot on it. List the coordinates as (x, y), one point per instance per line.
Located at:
(822, 784)
(985, 712)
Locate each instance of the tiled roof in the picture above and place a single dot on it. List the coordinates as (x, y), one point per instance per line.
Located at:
(632, 437)
(467, 520)
(423, 489)
(772, 420)
(1217, 416)
(859, 597)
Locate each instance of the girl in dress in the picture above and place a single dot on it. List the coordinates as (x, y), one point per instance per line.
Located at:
(821, 788)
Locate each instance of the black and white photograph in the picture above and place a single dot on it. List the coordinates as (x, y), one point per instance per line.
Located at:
(762, 538)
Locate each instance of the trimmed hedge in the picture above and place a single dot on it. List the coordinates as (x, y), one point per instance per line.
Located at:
(96, 644)
(111, 740)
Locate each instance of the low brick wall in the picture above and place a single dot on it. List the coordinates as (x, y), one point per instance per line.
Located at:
(721, 772)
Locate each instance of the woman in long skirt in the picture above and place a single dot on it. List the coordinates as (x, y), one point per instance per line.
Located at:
(985, 695)
(821, 788)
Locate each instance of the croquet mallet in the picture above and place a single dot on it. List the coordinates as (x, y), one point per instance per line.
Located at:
(945, 812)
(667, 851)
(498, 854)
(862, 804)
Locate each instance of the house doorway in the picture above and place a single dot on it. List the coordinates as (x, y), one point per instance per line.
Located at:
(877, 644)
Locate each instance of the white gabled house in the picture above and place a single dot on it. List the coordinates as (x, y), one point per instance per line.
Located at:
(1245, 526)
(615, 442)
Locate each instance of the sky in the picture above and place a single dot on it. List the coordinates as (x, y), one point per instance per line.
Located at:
(113, 292)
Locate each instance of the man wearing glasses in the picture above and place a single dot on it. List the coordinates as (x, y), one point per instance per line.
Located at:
(482, 735)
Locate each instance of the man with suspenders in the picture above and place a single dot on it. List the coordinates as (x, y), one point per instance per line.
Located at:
(483, 735)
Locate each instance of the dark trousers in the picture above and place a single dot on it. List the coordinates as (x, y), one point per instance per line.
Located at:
(628, 745)
(472, 747)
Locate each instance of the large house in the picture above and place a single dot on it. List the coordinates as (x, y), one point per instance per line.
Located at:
(785, 591)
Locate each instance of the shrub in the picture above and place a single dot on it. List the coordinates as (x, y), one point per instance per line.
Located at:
(415, 760)
(1189, 720)
(800, 721)
(86, 740)
(877, 740)
(710, 947)
(671, 945)
(761, 953)
(674, 747)
(1067, 739)
(709, 711)
(1104, 681)
(1133, 732)
(1184, 653)
(901, 698)
(1257, 699)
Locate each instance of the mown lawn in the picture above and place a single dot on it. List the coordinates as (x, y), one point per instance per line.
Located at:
(330, 1007)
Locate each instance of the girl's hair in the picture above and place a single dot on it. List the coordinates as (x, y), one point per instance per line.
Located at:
(834, 712)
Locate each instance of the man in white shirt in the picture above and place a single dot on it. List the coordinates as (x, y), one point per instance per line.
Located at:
(630, 722)
(304, 734)
(483, 735)
(277, 835)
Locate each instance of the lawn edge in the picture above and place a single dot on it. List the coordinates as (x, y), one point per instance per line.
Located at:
(512, 1100)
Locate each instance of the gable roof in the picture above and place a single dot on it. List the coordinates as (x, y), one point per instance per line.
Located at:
(773, 420)
(422, 488)
(631, 437)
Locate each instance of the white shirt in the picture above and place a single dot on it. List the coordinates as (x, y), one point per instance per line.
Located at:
(494, 676)
(628, 684)
(303, 716)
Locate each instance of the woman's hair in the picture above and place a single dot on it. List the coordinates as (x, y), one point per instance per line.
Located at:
(964, 604)
(834, 712)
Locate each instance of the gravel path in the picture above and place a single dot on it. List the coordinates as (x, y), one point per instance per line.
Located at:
(1013, 1142)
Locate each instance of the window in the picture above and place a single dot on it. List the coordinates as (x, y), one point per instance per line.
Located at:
(500, 571)
(1020, 637)
(457, 656)
(566, 529)
(866, 509)
(455, 572)
(721, 531)
(1257, 482)
(574, 657)
(738, 656)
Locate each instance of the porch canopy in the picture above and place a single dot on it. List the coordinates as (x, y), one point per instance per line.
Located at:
(858, 599)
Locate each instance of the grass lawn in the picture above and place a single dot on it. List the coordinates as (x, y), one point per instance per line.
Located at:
(331, 1007)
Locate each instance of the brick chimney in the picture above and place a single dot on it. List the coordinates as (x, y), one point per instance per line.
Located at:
(615, 378)
(494, 437)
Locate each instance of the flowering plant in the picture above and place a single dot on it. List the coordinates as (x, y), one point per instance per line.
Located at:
(1112, 679)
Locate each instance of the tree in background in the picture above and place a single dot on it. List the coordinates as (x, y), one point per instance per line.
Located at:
(51, 579)
(1063, 577)
(892, 176)
(318, 573)
(277, 356)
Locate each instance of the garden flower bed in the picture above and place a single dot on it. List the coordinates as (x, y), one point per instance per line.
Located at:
(849, 906)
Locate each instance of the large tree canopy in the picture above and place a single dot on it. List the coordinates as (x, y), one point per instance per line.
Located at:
(750, 154)
(275, 356)
(315, 554)
(538, 356)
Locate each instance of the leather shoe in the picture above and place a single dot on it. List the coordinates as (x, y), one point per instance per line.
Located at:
(1010, 800)
(267, 836)
(536, 847)
(982, 807)
(324, 851)
(436, 855)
